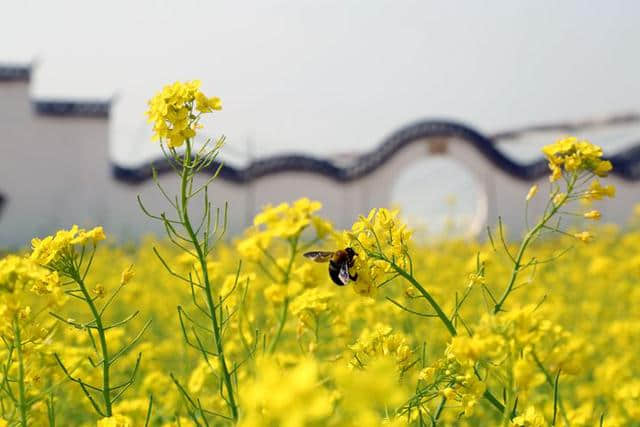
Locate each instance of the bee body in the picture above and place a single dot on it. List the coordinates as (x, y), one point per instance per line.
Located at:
(340, 262)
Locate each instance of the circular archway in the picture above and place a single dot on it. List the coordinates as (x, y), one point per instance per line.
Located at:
(438, 196)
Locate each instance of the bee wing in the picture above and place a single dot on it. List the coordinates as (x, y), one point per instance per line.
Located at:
(344, 274)
(319, 256)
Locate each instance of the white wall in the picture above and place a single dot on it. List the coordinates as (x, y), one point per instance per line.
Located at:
(56, 171)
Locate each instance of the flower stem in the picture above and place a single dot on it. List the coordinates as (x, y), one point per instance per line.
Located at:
(186, 178)
(21, 391)
(106, 362)
(525, 244)
(283, 320)
(441, 314)
(285, 305)
(443, 317)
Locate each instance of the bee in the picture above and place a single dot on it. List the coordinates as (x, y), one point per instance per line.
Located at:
(339, 264)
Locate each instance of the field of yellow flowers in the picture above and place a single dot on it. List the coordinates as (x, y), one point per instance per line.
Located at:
(201, 329)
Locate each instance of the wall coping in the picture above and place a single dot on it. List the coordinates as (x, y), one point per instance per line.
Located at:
(626, 164)
(59, 107)
(14, 72)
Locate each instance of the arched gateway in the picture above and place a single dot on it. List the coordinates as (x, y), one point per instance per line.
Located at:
(349, 191)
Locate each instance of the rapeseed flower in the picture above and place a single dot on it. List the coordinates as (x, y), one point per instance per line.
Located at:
(584, 236)
(172, 112)
(47, 250)
(594, 359)
(127, 275)
(115, 421)
(310, 304)
(597, 191)
(530, 418)
(595, 215)
(573, 155)
(286, 397)
(380, 239)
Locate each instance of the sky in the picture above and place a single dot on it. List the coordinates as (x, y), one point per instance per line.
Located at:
(328, 77)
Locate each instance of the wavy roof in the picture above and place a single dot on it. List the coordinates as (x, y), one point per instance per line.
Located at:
(10, 72)
(55, 107)
(84, 108)
(626, 163)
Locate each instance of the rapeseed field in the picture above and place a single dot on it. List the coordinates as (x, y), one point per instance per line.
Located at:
(296, 323)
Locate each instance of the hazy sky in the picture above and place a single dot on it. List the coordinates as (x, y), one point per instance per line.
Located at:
(332, 76)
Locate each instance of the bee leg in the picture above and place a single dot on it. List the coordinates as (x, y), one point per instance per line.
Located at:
(354, 277)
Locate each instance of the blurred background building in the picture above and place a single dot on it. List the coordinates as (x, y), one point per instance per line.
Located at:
(342, 102)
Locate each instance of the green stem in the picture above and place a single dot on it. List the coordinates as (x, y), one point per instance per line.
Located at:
(443, 317)
(106, 387)
(21, 391)
(518, 263)
(283, 320)
(525, 243)
(552, 384)
(510, 401)
(186, 178)
(285, 305)
(495, 402)
(436, 307)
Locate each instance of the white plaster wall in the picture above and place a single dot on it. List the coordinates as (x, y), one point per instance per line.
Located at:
(130, 222)
(52, 168)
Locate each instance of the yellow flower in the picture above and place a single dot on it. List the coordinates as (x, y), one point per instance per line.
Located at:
(285, 397)
(98, 290)
(207, 105)
(306, 206)
(285, 222)
(270, 214)
(115, 421)
(43, 251)
(381, 234)
(532, 192)
(468, 350)
(595, 215)
(559, 199)
(573, 155)
(275, 293)
(47, 250)
(365, 284)
(322, 226)
(427, 374)
(96, 234)
(529, 419)
(603, 168)
(199, 376)
(526, 374)
(376, 387)
(476, 279)
(449, 393)
(381, 342)
(309, 305)
(314, 300)
(46, 283)
(585, 236)
(254, 244)
(597, 192)
(127, 275)
(171, 111)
